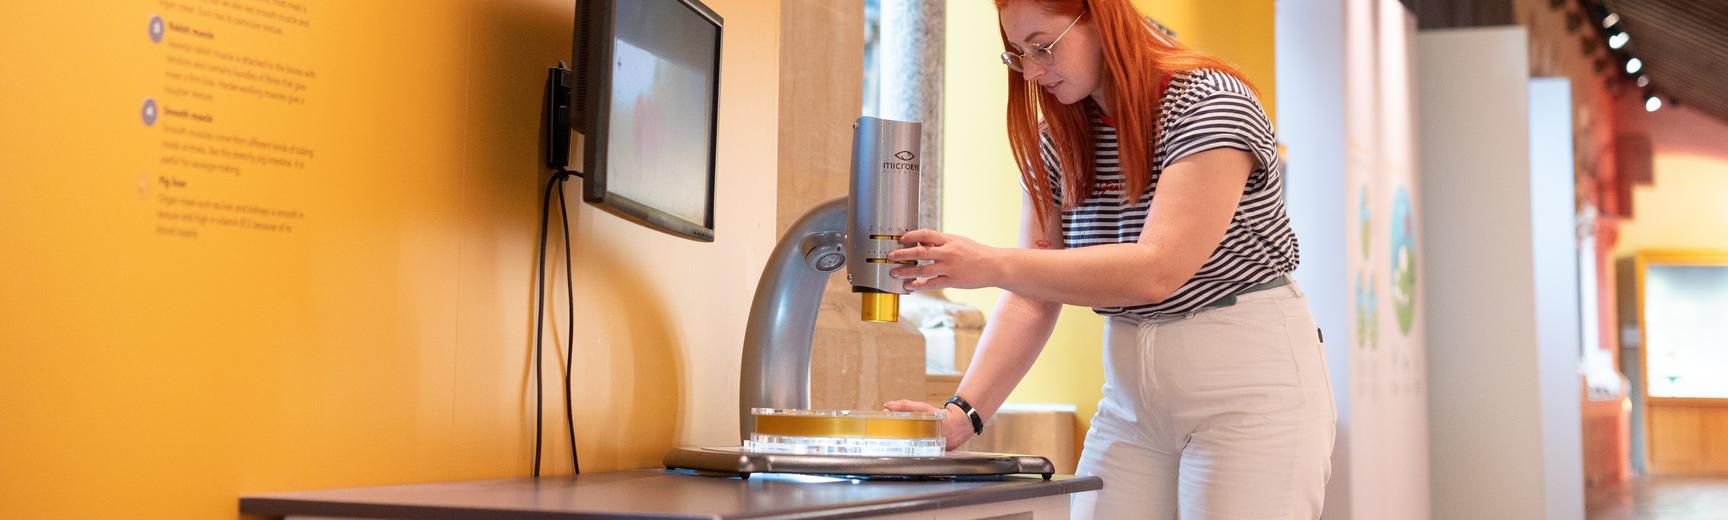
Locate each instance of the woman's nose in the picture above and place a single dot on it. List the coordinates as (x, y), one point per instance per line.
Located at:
(1032, 70)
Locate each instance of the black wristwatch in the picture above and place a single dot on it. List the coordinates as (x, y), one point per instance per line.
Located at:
(977, 422)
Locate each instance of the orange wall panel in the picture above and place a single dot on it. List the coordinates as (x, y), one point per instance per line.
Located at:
(313, 266)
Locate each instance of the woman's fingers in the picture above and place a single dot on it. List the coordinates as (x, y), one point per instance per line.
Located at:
(923, 236)
(902, 405)
(934, 282)
(923, 271)
(915, 253)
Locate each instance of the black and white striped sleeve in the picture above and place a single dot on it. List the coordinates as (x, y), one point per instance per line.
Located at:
(1219, 112)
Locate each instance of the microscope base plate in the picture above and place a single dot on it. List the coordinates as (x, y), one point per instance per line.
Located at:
(734, 461)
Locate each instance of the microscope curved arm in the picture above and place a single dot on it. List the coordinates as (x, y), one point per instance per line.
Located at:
(776, 369)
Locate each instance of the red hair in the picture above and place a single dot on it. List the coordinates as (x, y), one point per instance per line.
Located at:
(1135, 64)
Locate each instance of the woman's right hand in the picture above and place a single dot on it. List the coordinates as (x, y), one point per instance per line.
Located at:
(956, 427)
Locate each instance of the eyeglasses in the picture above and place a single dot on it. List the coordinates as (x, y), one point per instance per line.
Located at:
(1042, 54)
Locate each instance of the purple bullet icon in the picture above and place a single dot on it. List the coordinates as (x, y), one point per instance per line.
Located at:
(149, 112)
(157, 28)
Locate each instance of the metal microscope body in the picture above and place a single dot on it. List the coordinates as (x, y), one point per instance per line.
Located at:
(855, 232)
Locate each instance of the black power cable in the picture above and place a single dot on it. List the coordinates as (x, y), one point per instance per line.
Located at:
(569, 332)
(556, 182)
(556, 143)
(540, 310)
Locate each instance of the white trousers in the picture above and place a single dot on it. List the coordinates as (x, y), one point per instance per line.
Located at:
(1223, 414)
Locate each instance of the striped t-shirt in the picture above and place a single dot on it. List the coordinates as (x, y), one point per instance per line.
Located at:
(1202, 110)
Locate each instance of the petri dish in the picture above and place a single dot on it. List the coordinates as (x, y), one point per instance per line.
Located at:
(847, 432)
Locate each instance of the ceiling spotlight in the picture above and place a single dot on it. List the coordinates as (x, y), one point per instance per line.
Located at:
(1610, 20)
(1652, 104)
(1634, 65)
(1643, 81)
(1618, 40)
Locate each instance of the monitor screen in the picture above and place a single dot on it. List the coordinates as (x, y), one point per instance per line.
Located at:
(652, 71)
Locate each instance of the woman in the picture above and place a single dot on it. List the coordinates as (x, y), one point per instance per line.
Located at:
(1216, 399)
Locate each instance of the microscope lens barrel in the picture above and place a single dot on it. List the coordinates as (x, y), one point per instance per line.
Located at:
(883, 206)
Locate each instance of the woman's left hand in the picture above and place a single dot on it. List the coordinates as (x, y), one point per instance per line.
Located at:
(946, 260)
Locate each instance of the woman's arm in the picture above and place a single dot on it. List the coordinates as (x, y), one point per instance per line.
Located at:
(1196, 198)
(1015, 334)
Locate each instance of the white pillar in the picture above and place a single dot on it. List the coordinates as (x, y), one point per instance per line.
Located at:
(910, 60)
(1502, 280)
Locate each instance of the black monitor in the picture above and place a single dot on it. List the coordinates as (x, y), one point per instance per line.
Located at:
(646, 91)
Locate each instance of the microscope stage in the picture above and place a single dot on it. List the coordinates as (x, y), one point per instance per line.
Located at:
(735, 461)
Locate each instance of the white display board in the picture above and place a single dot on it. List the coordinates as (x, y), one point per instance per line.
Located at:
(1353, 199)
(1502, 280)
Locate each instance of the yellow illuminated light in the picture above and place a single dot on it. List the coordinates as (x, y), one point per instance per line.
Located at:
(849, 426)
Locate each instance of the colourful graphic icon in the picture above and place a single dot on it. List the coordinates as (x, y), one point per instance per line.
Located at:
(1364, 217)
(1367, 309)
(157, 28)
(1403, 260)
(149, 112)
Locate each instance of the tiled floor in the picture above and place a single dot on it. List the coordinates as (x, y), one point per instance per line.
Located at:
(1659, 498)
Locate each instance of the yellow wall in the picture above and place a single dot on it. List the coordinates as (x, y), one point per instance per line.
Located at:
(981, 192)
(1687, 201)
(1239, 31)
(1685, 208)
(383, 335)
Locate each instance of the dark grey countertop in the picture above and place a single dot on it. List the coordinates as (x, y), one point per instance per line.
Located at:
(658, 494)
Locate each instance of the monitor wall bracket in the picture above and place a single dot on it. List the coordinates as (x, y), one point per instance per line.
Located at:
(556, 138)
